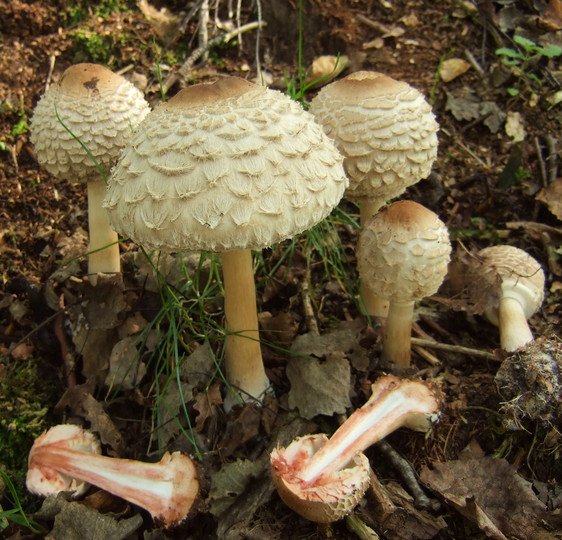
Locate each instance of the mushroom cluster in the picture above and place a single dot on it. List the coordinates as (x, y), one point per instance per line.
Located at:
(229, 167)
(387, 133)
(402, 254)
(78, 128)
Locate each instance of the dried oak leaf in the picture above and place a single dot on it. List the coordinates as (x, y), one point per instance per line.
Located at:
(552, 197)
(206, 404)
(489, 492)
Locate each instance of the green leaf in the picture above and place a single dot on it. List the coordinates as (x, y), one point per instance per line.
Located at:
(511, 53)
(527, 44)
(551, 51)
(513, 92)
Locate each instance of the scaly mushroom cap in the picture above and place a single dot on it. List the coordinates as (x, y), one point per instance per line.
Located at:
(46, 481)
(385, 130)
(403, 252)
(99, 107)
(325, 503)
(521, 278)
(224, 166)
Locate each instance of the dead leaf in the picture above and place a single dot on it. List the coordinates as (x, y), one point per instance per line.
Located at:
(319, 373)
(552, 197)
(487, 491)
(453, 68)
(327, 68)
(552, 17)
(75, 521)
(21, 351)
(280, 329)
(465, 105)
(206, 405)
(514, 126)
(125, 366)
(164, 22)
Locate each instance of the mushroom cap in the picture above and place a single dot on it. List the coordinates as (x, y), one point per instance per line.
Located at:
(385, 130)
(521, 277)
(46, 481)
(334, 498)
(403, 252)
(224, 166)
(99, 107)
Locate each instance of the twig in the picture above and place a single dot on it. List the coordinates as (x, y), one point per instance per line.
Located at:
(542, 166)
(551, 158)
(358, 527)
(453, 348)
(65, 349)
(408, 475)
(427, 356)
(309, 317)
(533, 226)
(474, 63)
(258, 38)
(185, 70)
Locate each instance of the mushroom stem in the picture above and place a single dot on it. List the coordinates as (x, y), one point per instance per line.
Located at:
(398, 336)
(102, 236)
(513, 326)
(244, 363)
(374, 305)
(166, 489)
(394, 403)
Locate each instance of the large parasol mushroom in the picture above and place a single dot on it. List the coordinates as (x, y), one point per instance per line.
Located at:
(228, 167)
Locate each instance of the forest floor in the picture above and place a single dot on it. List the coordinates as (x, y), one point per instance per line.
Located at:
(487, 469)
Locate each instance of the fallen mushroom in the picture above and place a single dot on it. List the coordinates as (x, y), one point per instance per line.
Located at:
(521, 295)
(402, 254)
(387, 133)
(99, 108)
(323, 480)
(229, 167)
(66, 458)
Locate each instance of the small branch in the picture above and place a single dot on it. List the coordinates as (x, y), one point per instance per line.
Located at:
(542, 166)
(551, 158)
(474, 63)
(309, 317)
(453, 348)
(533, 226)
(185, 70)
(408, 475)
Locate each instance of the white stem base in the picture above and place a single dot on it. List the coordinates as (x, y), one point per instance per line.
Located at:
(244, 363)
(102, 236)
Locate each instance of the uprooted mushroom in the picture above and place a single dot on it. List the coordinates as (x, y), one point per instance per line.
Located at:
(81, 122)
(387, 133)
(323, 479)
(67, 458)
(228, 167)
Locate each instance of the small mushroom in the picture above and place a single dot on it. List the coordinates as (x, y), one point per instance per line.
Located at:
(323, 480)
(402, 254)
(228, 167)
(521, 295)
(99, 108)
(67, 458)
(387, 133)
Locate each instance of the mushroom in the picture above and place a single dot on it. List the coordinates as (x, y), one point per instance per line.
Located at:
(521, 294)
(228, 167)
(402, 254)
(67, 458)
(323, 480)
(387, 133)
(92, 108)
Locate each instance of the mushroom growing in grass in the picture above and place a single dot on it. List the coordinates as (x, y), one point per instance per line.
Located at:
(387, 133)
(323, 479)
(402, 255)
(89, 109)
(67, 458)
(521, 294)
(228, 167)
